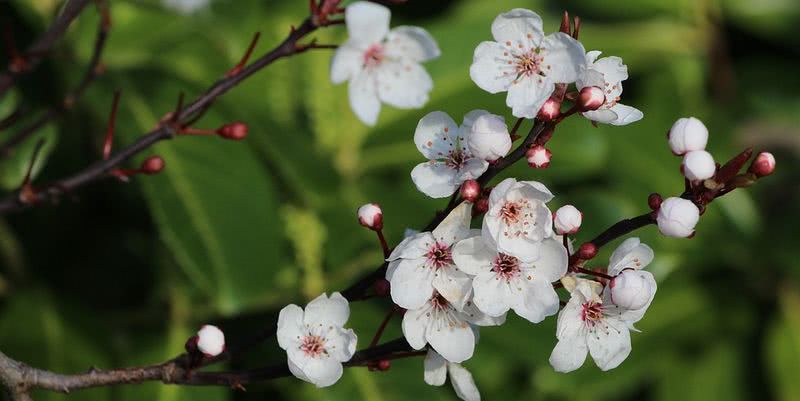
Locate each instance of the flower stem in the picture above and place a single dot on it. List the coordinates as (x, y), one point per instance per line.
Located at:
(384, 245)
(382, 327)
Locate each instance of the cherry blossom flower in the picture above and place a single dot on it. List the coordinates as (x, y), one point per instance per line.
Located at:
(504, 282)
(450, 161)
(423, 263)
(631, 287)
(607, 73)
(524, 62)
(686, 135)
(677, 217)
(518, 218)
(698, 165)
(210, 340)
(436, 370)
(382, 66)
(448, 328)
(316, 344)
(489, 138)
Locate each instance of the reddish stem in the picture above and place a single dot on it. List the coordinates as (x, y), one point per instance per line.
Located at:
(591, 273)
(382, 327)
(384, 245)
(243, 62)
(111, 126)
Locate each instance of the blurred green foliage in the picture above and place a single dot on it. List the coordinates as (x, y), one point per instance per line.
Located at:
(231, 232)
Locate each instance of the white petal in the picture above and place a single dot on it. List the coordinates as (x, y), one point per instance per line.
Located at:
(463, 383)
(569, 354)
(591, 56)
(537, 190)
(536, 300)
(591, 77)
(629, 317)
(570, 320)
(609, 347)
(470, 118)
(434, 179)
(341, 344)
(455, 342)
(520, 247)
(630, 254)
(414, 323)
(346, 63)
(364, 100)
(403, 84)
(327, 311)
(527, 95)
(435, 368)
(296, 371)
(473, 256)
(455, 226)
(494, 296)
(516, 24)
(411, 283)
(626, 114)
(612, 68)
(412, 43)
(412, 247)
(367, 22)
(472, 169)
(552, 262)
(603, 116)
(322, 371)
(290, 326)
(454, 285)
(489, 70)
(474, 315)
(432, 135)
(565, 56)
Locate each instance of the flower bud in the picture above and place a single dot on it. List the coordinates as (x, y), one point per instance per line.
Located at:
(470, 190)
(763, 164)
(677, 217)
(591, 98)
(384, 365)
(686, 135)
(654, 201)
(371, 216)
(481, 206)
(538, 157)
(210, 340)
(488, 138)
(698, 165)
(152, 165)
(587, 251)
(567, 220)
(550, 110)
(382, 287)
(632, 289)
(234, 131)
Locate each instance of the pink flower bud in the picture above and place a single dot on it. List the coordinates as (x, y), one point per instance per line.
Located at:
(481, 206)
(677, 217)
(763, 164)
(654, 201)
(234, 131)
(371, 216)
(538, 157)
(567, 220)
(152, 165)
(210, 340)
(550, 110)
(698, 165)
(587, 251)
(591, 98)
(686, 135)
(470, 190)
(632, 289)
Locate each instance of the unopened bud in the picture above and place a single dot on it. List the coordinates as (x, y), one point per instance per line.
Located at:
(481, 205)
(371, 216)
(384, 365)
(488, 138)
(567, 220)
(538, 157)
(632, 289)
(550, 110)
(152, 165)
(698, 165)
(763, 164)
(470, 190)
(382, 287)
(591, 98)
(654, 201)
(687, 135)
(677, 217)
(234, 131)
(210, 340)
(587, 251)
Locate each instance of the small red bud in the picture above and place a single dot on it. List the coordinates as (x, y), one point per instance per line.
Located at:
(538, 157)
(382, 287)
(482, 205)
(763, 165)
(384, 365)
(591, 98)
(654, 201)
(587, 251)
(470, 190)
(152, 165)
(550, 110)
(234, 131)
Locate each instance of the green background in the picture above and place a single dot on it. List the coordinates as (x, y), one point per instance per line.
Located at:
(232, 231)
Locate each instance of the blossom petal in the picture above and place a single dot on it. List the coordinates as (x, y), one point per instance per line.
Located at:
(412, 247)
(569, 354)
(463, 383)
(610, 346)
(403, 84)
(454, 342)
(472, 169)
(454, 285)
(346, 63)
(493, 295)
(604, 116)
(411, 283)
(470, 118)
(327, 311)
(516, 25)
(433, 135)
(527, 95)
(341, 343)
(322, 371)
(552, 262)
(537, 190)
(632, 316)
(570, 321)
(490, 69)
(411, 43)
(414, 323)
(537, 300)
(626, 114)
(474, 315)
(435, 368)
(296, 371)
(455, 226)
(564, 59)
(435, 179)
(630, 254)
(473, 256)
(612, 68)
(290, 326)
(363, 95)
(367, 22)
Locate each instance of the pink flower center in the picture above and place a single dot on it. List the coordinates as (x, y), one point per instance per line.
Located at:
(439, 302)
(374, 55)
(529, 63)
(506, 266)
(456, 159)
(313, 345)
(439, 255)
(592, 312)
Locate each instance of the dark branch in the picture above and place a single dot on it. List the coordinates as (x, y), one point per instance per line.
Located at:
(621, 228)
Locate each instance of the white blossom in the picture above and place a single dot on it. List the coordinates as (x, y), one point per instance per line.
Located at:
(698, 165)
(607, 73)
(524, 62)
(315, 341)
(504, 282)
(382, 66)
(567, 220)
(489, 138)
(423, 263)
(538, 157)
(686, 135)
(450, 161)
(210, 340)
(436, 370)
(677, 217)
(631, 287)
(186, 6)
(518, 218)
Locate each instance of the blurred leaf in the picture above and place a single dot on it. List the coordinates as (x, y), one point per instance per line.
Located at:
(13, 169)
(307, 234)
(783, 347)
